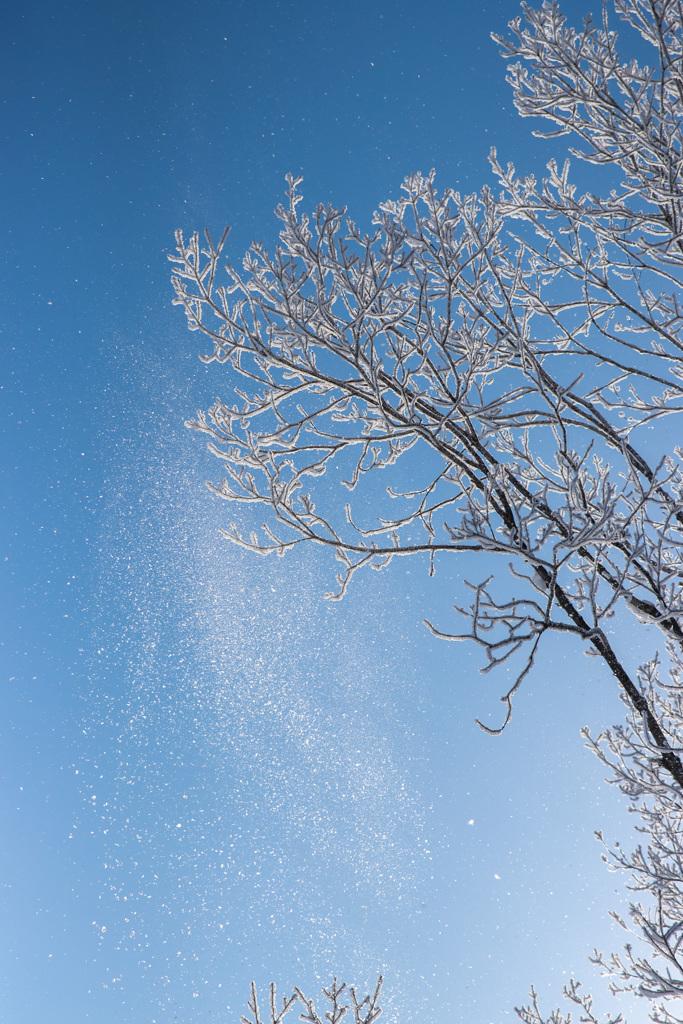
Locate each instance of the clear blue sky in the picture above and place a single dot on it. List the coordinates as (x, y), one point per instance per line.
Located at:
(210, 774)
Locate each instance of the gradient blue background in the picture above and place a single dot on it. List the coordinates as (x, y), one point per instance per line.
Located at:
(209, 773)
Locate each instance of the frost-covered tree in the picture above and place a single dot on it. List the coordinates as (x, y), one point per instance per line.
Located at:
(365, 1011)
(497, 359)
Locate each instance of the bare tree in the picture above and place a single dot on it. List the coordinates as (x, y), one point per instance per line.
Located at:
(502, 359)
(365, 1011)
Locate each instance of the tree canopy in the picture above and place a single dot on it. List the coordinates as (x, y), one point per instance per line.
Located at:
(500, 359)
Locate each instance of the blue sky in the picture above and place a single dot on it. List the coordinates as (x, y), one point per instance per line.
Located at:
(210, 774)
